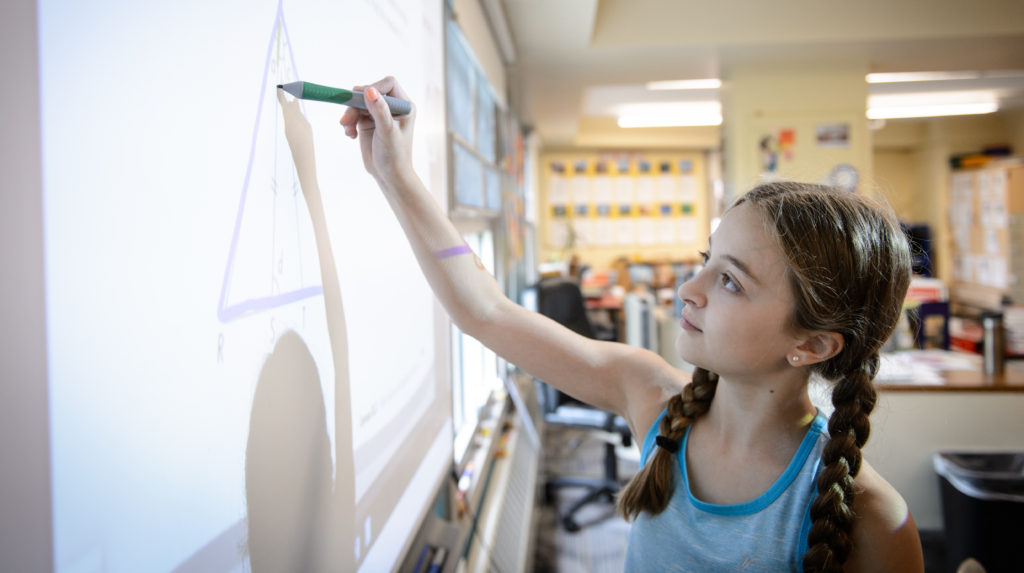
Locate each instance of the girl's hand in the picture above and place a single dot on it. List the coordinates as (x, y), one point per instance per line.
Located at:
(386, 141)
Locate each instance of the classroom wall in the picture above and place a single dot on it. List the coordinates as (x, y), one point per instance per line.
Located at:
(896, 178)
(898, 174)
(774, 114)
(913, 157)
(1015, 126)
(605, 133)
(25, 525)
(907, 428)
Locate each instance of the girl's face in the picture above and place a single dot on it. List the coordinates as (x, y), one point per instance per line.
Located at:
(737, 314)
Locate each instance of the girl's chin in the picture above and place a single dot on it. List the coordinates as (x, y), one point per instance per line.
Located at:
(687, 355)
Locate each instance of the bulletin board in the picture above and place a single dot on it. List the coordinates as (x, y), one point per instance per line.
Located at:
(986, 218)
(644, 206)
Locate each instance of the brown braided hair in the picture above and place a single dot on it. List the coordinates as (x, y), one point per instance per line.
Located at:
(651, 488)
(849, 269)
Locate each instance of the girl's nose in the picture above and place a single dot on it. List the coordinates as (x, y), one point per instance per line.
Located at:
(691, 292)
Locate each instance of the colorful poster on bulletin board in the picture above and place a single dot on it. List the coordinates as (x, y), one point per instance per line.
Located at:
(629, 204)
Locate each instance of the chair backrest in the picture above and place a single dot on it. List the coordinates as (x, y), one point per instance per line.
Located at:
(562, 301)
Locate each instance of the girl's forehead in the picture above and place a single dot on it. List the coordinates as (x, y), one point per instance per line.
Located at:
(743, 235)
(742, 224)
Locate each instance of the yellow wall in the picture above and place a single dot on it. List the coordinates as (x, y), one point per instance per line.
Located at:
(896, 178)
(1015, 127)
(605, 133)
(763, 101)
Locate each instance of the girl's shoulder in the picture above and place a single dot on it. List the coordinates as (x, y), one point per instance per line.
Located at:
(647, 399)
(885, 537)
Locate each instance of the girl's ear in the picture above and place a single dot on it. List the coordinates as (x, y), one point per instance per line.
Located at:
(818, 347)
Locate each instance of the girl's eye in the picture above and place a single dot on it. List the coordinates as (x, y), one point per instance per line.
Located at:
(729, 284)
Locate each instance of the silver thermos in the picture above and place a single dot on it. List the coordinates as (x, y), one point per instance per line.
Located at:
(993, 344)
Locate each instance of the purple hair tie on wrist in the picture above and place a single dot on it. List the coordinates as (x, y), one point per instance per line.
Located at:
(453, 251)
(669, 444)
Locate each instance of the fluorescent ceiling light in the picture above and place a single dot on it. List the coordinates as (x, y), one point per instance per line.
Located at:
(706, 84)
(670, 114)
(888, 78)
(931, 110)
(890, 106)
(669, 121)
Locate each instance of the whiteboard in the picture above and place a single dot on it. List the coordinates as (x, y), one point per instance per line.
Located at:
(203, 416)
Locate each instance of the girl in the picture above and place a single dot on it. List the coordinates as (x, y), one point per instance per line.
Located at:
(740, 471)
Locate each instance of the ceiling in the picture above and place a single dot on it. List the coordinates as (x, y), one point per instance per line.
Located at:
(563, 54)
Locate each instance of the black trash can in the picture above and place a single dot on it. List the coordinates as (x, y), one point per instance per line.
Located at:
(983, 508)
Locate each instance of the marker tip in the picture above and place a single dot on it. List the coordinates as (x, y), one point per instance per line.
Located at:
(280, 85)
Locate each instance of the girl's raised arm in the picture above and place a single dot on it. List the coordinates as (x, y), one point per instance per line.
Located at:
(623, 379)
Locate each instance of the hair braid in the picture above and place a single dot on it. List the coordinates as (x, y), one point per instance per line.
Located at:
(832, 514)
(651, 488)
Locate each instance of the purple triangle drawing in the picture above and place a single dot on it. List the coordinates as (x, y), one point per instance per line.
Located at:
(267, 266)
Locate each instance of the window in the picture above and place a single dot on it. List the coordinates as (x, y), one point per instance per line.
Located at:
(472, 129)
(486, 147)
(475, 369)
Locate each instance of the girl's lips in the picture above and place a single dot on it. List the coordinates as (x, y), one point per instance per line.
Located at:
(687, 325)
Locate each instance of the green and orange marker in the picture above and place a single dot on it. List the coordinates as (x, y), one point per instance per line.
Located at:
(352, 98)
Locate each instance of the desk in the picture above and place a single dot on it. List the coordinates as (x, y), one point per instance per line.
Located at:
(955, 372)
(966, 409)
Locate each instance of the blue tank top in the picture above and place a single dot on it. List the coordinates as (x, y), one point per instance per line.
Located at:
(768, 533)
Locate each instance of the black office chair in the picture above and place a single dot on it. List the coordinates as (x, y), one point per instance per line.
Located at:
(562, 301)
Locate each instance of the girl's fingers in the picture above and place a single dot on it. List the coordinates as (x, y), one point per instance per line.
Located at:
(351, 120)
(380, 111)
(348, 123)
(355, 120)
(393, 89)
(385, 85)
(389, 86)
